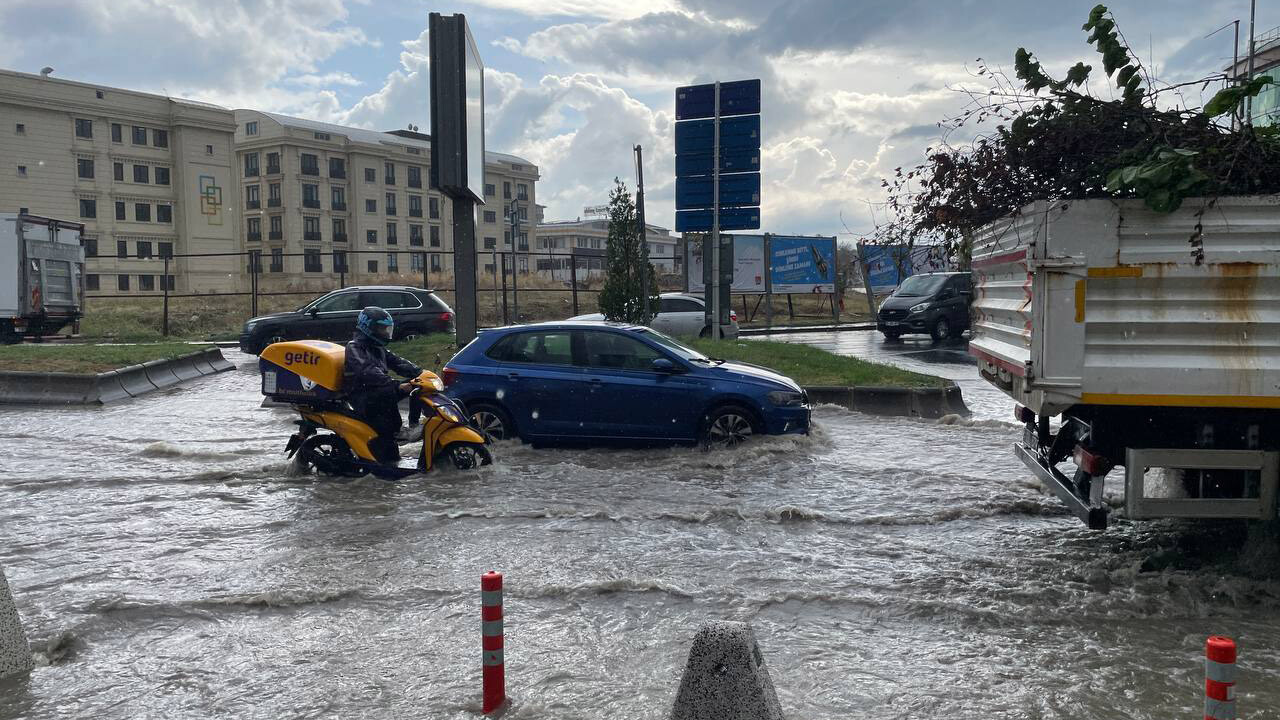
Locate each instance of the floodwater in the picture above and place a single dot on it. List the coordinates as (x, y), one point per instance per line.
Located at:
(167, 566)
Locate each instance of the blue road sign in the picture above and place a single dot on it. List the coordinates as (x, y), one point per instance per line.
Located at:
(731, 161)
(698, 136)
(741, 97)
(730, 219)
(735, 191)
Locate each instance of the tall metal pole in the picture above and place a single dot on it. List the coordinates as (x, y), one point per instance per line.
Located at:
(643, 234)
(715, 222)
(164, 322)
(515, 261)
(1248, 110)
(1235, 72)
(495, 278)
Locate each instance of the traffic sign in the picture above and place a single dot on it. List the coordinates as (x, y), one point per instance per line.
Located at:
(735, 191)
(731, 161)
(741, 97)
(730, 219)
(698, 136)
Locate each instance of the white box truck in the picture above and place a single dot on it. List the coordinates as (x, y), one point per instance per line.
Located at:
(41, 275)
(1156, 339)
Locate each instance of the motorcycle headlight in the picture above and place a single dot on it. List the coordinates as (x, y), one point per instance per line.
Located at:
(437, 383)
(449, 414)
(786, 398)
(920, 308)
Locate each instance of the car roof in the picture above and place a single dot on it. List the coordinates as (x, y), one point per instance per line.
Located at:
(682, 295)
(567, 324)
(381, 287)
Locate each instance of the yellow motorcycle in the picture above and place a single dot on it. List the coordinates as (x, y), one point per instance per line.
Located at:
(307, 374)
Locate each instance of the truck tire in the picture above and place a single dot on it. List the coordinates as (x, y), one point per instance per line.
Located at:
(7, 334)
(941, 329)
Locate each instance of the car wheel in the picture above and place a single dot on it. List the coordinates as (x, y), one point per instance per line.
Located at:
(891, 334)
(410, 334)
(273, 340)
(493, 421)
(727, 426)
(706, 332)
(941, 329)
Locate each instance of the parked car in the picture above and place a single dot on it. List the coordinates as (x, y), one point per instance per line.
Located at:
(679, 314)
(936, 304)
(333, 316)
(582, 381)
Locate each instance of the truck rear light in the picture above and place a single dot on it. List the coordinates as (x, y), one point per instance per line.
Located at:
(1090, 462)
(1023, 414)
(449, 375)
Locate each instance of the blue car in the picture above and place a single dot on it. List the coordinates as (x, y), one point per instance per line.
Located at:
(593, 382)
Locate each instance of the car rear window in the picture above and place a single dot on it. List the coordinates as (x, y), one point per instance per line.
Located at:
(389, 299)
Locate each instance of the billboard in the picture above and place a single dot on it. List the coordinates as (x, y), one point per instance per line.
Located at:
(748, 263)
(802, 264)
(457, 109)
(888, 265)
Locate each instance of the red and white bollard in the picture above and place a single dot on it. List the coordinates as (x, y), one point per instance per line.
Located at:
(1219, 678)
(494, 673)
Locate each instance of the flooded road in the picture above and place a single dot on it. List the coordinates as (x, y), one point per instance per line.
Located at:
(166, 565)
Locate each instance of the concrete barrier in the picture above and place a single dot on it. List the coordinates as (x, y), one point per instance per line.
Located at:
(928, 403)
(726, 678)
(32, 388)
(15, 652)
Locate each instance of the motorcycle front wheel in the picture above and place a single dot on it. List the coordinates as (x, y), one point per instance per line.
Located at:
(468, 456)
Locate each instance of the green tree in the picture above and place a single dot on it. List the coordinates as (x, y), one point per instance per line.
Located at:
(621, 298)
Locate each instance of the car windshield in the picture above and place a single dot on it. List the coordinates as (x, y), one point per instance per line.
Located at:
(920, 285)
(674, 346)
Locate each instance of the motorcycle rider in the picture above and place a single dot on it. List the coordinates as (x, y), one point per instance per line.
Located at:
(371, 390)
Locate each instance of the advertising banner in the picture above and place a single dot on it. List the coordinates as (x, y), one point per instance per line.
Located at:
(889, 265)
(802, 264)
(748, 263)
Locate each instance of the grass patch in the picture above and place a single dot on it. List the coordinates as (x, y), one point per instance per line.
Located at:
(809, 365)
(86, 358)
(430, 352)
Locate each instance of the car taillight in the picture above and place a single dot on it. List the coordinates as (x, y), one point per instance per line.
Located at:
(733, 316)
(446, 316)
(449, 375)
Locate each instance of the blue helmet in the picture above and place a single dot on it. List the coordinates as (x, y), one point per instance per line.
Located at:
(376, 323)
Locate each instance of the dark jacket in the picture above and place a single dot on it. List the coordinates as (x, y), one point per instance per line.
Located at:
(366, 366)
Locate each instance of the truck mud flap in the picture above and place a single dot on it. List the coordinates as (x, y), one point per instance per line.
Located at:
(1094, 517)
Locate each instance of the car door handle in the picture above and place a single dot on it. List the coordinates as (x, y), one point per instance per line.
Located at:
(596, 381)
(513, 376)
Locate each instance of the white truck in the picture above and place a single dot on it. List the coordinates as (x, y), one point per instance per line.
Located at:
(41, 275)
(1155, 337)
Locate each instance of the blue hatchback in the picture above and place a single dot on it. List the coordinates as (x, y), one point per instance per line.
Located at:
(603, 382)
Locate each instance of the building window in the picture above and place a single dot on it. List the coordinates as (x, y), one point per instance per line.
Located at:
(141, 174)
(91, 282)
(88, 208)
(337, 168)
(506, 238)
(255, 261)
(311, 196)
(373, 266)
(146, 283)
(524, 242)
(311, 228)
(435, 236)
(371, 236)
(251, 127)
(490, 190)
(117, 133)
(415, 235)
(252, 197)
(506, 190)
(311, 261)
(340, 261)
(339, 230)
(273, 163)
(22, 171)
(435, 262)
(415, 176)
(391, 173)
(162, 176)
(168, 282)
(120, 211)
(338, 198)
(20, 128)
(415, 206)
(490, 216)
(208, 149)
(490, 243)
(370, 175)
(142, 212)
(277, 260)
(371, 206)
(391, 203)
(160, 138)
(522, 191)
(393, 262)
(117, 171)
(139, 135)
(122, 249)
(84, 168)
(391, 234)
(416, 261)
(413, 151)
(277, 228)
(273, 195)
(164, 213)
(91, 247)
(250, 164)
(310, 164)
(524, 263)
(434, 208)
(523, 213)
(144, 249)
(322, 136)
(122, 283)
(254, 229)
(84, 128)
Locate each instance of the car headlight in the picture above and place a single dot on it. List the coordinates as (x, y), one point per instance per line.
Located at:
(786, 398)
(249, 326)
(920, 308)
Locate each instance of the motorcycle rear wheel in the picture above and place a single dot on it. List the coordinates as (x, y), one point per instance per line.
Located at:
(327, 455)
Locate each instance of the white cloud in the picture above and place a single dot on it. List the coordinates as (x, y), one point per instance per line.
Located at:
(325, 80)
(612, 9)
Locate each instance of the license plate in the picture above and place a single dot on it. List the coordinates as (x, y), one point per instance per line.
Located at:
(891, 323)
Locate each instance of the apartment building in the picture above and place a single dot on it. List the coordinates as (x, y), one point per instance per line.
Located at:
(321, 203)
(148, 175)
(558, 241)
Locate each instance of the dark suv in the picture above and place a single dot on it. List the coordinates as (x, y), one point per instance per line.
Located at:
(333, 316)
(932, 303)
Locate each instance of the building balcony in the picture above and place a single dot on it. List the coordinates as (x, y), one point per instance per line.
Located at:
(313, 204)
(340, 237)
(252, 204)
(310, 170)
(339, 207)
(275, 235)
(416, 241)
(273, 169)
(415, 212)
(273, 202)
(255, 237)
(338, 174)
(251, 172)
(390, 179)
(391, 209)
(415, 183)
(311, 236)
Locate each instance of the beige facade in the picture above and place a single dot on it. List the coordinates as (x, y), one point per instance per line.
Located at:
(557, 241)
(325, 203)
(146, 174)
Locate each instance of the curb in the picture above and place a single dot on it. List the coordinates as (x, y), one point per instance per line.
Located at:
(927, 403)
(788, 329)
(33, 388)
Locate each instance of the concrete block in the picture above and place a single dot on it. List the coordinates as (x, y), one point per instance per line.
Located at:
(134, 380)
(725, 678)
(159, 374)
(109, 387)
(884, 401)
(200, 361)
(219, 363)
(15, 653)
(184, 369)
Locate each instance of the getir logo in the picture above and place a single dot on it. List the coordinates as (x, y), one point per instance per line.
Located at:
(302, 358)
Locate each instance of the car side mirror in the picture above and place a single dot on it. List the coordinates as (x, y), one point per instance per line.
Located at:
(663, 365)
(313, 312)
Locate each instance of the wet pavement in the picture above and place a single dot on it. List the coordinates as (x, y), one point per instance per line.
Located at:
(167, 565)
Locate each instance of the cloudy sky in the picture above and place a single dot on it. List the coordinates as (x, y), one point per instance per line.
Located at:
(852, 88)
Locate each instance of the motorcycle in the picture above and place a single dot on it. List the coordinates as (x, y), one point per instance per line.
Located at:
(308, 375)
